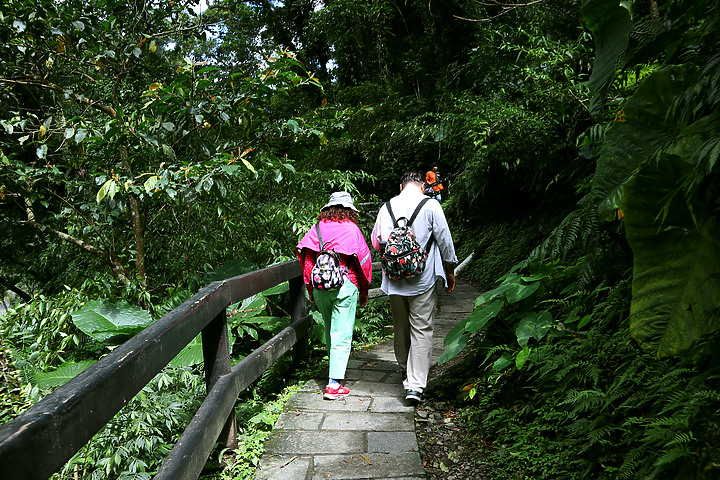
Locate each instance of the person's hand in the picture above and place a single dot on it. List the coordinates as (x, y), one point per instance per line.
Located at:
(450, 282)
(363, 299)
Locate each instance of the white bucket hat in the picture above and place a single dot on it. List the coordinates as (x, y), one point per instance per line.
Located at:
(342, 199)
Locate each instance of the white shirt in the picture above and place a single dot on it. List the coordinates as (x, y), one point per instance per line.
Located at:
(429, 222)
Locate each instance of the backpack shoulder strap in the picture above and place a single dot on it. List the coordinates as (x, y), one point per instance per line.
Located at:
(412, 219)
(417, 211)
(322, 244)
(392, 215)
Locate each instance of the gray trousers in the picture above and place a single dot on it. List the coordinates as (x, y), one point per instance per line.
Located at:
(413, 318)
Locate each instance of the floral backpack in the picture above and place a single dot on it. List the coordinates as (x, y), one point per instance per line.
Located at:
(327, 274)
(403, 256)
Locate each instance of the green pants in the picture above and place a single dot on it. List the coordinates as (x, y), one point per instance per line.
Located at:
(338, 311)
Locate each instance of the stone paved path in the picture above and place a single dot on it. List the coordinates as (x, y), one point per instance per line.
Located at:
(368, 435)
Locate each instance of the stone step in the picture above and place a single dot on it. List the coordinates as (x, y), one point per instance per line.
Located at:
(370, 434)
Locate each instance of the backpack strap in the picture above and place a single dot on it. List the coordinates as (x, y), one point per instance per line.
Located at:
(412, 219)
(392, 215)
(322, 244)
(417, 210)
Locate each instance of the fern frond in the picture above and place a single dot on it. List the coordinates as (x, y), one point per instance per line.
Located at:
(672, 455)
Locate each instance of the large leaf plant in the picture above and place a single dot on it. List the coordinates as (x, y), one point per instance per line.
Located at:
(658, 169)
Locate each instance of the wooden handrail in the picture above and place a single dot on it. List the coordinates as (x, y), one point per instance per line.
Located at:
(41, 440)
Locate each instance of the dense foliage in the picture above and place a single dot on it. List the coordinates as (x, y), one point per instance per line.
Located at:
(146, 150)
(557, 368)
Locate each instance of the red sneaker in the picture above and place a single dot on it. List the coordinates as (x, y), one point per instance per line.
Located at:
(335, 393)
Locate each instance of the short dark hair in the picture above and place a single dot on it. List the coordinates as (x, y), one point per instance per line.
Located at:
(411, 177)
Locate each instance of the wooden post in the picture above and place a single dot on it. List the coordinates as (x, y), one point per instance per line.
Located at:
(298, 309)
(216, 353)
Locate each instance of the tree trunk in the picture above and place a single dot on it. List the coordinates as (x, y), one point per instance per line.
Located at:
(138, 224)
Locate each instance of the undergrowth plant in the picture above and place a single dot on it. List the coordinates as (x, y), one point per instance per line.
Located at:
(135, 442)
(584, 401)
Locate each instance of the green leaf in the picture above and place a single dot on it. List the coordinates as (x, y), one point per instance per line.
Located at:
(169, 152)
(191, 355)
(610, 23)
(169, 126)
(105, 321)
(42, 151)
(80, 135)
(455, 333)
(229, 269)
(109, 189)
(62, 374)
(293, 126)
(533, 325)
(522, 357)
(150, 183)
(277, 289)
(676, 270)
(645, 128)
(481, 316)
(149, 139)
(520, 291)
(503, 362)
(453, 349)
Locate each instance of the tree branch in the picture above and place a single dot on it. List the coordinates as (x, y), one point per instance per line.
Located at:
(505, 9)
(51, 86)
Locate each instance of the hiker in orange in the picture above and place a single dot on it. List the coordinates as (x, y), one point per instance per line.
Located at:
(432, 184)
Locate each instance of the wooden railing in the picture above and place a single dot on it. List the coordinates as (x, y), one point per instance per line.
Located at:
(40, 441)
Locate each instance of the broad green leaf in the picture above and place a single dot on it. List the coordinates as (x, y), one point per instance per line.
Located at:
(109, 189)
(62, 374)
(676, 265)
(481, 316)
(254, 304)
(293, 126)
(533, 325)
(522, 357)
(520, 291)
(42, 151)
(277, 289)
(644, 129)
(69, 132)
(150, 183)
(80, 135)
(169, 126)
(490, 294)
(455, 333)
(105, 321)
(453, 349)
(191, 355)
(610, 23)
(503, 362)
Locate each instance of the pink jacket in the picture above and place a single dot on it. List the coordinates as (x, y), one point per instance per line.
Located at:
(344, 238)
